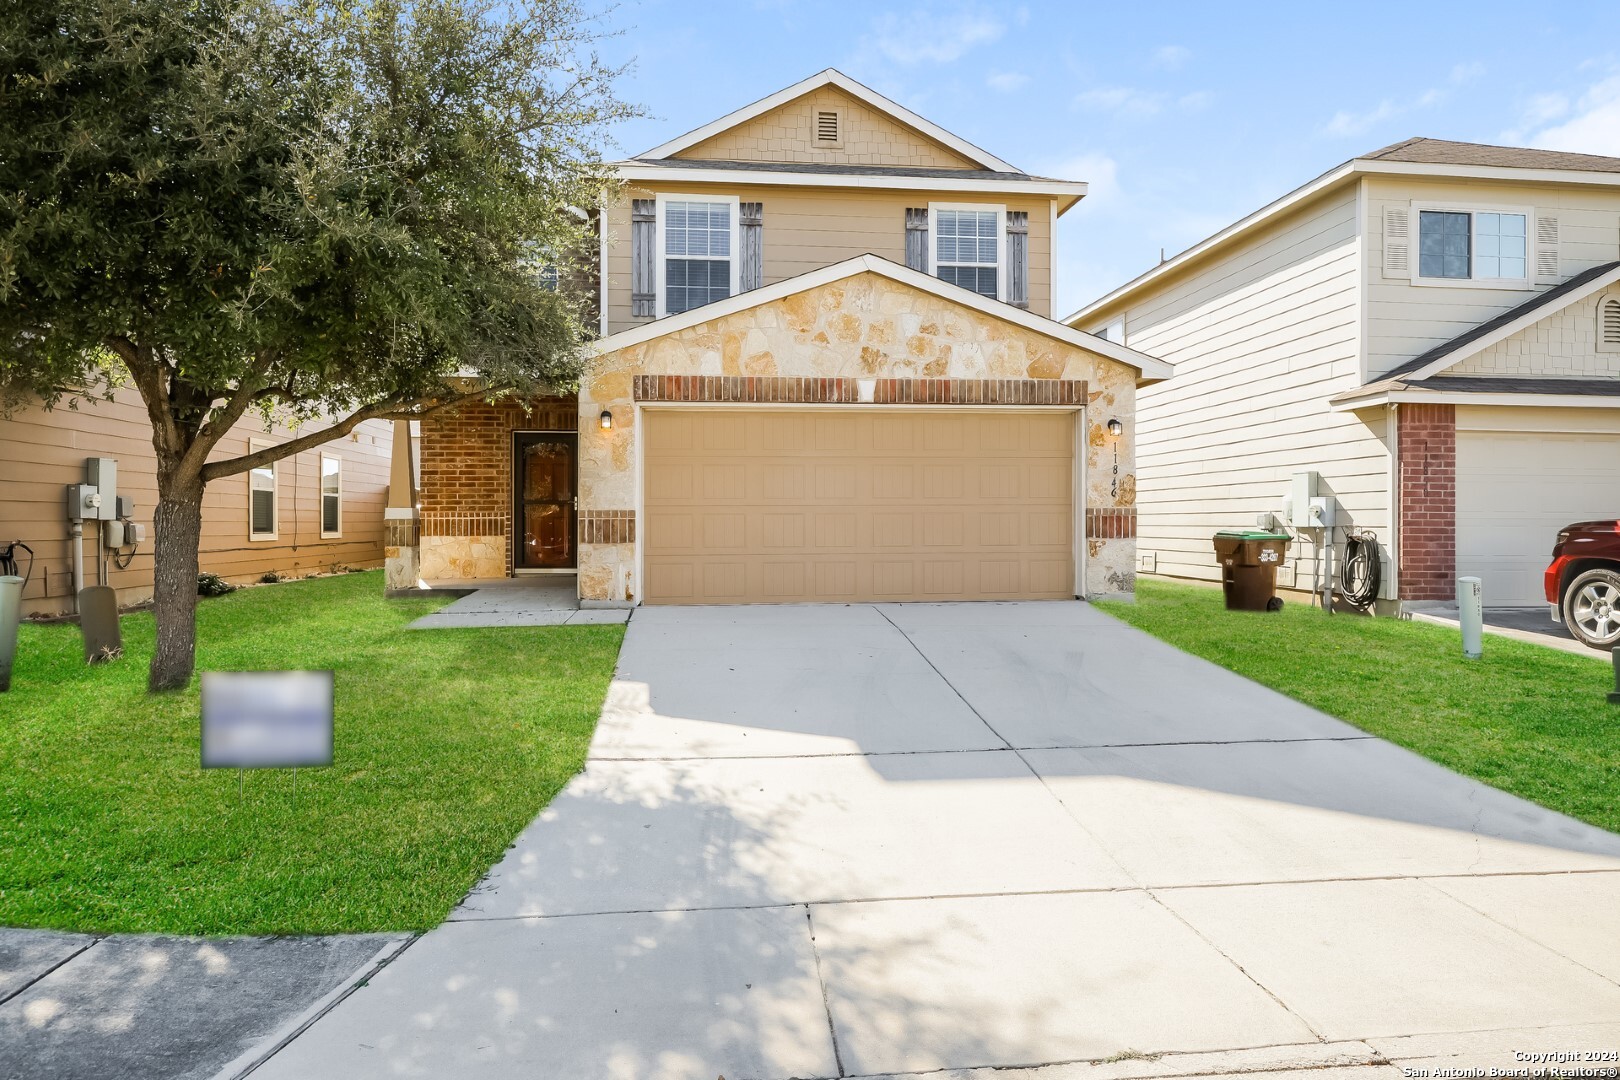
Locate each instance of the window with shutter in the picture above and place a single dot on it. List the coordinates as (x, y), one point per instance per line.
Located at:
(1547, 250)
(697, 242)
(1397, 242)
(1608, 328)
(643, 259)
(1018, 258)
(917, 238)
(967, 248)
(1481, 246)
(331, 497)
(751, 225)
(262, 496)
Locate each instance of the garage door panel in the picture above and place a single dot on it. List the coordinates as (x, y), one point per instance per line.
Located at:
(859, 506)
(1515, 490)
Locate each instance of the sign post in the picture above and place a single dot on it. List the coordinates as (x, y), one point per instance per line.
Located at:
(266, 720)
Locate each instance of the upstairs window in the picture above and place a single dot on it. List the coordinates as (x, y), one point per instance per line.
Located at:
(1472, 245)
(698, 241)
(967, 249)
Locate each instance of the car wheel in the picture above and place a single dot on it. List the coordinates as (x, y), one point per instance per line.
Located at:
(1592, 608)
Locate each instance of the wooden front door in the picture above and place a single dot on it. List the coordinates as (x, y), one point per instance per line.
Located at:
(545, 506)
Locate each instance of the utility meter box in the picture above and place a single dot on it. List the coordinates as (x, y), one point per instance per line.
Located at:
(1302, 492)
(102, 474)
(83, 502)
(134, 533)
(112, 534)
(125, 506)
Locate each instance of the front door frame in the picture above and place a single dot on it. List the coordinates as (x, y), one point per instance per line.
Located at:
(516, 494)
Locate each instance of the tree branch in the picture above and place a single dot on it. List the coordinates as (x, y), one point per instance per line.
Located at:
(222, 421)
(148, 373)
(417, 409)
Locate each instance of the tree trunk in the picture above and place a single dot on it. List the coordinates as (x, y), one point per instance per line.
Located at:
(177, 532)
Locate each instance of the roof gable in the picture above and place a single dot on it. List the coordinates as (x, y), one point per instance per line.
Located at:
(886, 132)
(1150, 368)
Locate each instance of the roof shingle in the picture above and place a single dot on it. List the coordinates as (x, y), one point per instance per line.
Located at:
(1444, 152)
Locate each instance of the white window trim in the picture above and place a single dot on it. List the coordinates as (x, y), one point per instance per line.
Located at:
(254, 446)
(661, 260)
(336, 534)
(1471, 209)
(1001, 239)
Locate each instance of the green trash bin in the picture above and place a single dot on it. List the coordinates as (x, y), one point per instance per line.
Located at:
(1249, 559)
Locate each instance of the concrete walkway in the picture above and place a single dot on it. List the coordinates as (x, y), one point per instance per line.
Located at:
(889, 841)
(533, 601)
(1532, 624)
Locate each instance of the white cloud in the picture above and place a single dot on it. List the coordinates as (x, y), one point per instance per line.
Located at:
(1129, 101)
(1594, 126)
(1347, 122)
(1171, 57)
(1006, 82)
(951, 34)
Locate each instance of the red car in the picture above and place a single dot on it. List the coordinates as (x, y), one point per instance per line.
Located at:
(1583, 581)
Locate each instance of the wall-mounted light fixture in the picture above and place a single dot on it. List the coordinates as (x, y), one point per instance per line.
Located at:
(607, 419)
(1115, 429)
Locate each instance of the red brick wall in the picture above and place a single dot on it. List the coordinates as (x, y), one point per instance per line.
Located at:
(1428, 539)
(466, 464)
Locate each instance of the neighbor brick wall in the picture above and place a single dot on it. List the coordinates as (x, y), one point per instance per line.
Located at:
(1428, 537)
(466, 464)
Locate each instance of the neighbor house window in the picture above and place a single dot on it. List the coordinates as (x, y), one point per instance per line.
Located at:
(262, 496)
(967, 248)
(1472, 245)
(697, 246)
(331, 497)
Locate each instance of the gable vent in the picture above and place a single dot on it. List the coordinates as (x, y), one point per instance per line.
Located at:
(827, 126)
(1609, 322)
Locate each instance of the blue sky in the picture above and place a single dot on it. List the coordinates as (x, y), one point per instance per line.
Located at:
(1182, 117)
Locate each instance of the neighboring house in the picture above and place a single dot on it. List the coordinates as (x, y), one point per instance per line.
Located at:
(311, 512)
(828, 372)
(1433, 328)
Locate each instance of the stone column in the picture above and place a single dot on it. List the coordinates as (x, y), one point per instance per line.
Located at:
(401, 521)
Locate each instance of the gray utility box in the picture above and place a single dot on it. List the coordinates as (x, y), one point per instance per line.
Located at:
(102, 474)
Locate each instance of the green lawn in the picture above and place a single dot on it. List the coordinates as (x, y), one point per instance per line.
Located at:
(1527, 719)
(447, 743)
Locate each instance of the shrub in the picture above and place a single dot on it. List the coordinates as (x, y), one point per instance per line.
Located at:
(213, 585)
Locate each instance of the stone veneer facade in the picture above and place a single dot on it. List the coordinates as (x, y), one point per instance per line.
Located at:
(867, 326)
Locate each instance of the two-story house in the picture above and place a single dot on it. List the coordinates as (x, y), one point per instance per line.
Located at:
(1433, 329)
(827, 371)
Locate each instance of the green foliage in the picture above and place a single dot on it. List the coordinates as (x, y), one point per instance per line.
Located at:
(448, 742)
(333, 204)
(1528, 719)
(213, 585)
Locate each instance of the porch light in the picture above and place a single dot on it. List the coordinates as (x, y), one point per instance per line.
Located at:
(607, 419)
(1115, 429)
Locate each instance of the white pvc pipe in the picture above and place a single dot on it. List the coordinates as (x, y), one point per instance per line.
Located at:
(1471, 614)
(77, 543)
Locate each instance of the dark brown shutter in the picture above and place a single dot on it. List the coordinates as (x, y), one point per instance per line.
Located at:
(917, 239)
(643, 252)
(1018, 258)
(751, 238)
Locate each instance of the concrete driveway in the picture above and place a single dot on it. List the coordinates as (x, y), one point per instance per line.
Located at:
(892, 840)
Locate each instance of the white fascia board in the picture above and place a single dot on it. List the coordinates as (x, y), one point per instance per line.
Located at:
(1455, 397)
(831, 77)
(1529, 319)
(1265, 213)
(1356, 167)
(641, 170)
(1150, 367)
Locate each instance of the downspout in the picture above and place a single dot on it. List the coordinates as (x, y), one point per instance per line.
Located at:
(1393, 422)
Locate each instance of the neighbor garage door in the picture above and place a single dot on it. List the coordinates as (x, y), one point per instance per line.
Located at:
(1515, 490)
(751, 506)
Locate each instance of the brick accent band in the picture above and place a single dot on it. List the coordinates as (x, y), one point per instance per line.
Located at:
(607, 527)
(1427, 437)
(839, 391)
(1110, 523)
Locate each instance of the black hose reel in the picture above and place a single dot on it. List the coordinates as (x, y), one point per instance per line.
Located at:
(1361, 571)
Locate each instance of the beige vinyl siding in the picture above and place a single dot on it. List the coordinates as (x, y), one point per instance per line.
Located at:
(1564, 345)
(1261, 337)
(809, 228)
(41, 452)
(1405, 320)
(785, 134)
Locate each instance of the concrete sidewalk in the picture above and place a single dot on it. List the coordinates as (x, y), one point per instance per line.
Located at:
(891, 841)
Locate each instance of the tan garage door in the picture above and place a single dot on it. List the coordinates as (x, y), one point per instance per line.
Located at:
(749, 506)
